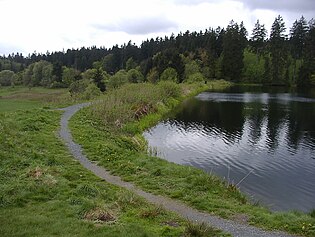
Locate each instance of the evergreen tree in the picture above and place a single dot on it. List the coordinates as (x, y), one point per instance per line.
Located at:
(233, 48)
(307, 71)
(258, 38)
(278, 50)
(298, 34)
(98, 79)
(57, 71)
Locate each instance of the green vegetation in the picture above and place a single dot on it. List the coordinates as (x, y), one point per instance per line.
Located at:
(22, 98)
(41, 187)
(230, 53)
(45, 192)
(110, 132)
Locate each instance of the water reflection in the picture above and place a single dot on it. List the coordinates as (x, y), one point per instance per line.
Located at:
(271, 135)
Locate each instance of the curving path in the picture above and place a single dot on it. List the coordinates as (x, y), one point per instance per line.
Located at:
(181, 209)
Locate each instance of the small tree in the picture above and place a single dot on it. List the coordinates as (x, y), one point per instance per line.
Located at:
(196, 77)
(191, 68)
(91, 91)
(78, 87)
(98, 79)
(135, 76)
(57, 71)
(69, 75)
(169, 74)
(130, 64)
(153, 76)
(7, 78)
(118, 79)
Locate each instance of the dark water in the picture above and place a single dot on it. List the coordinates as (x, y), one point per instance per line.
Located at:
(268, 136)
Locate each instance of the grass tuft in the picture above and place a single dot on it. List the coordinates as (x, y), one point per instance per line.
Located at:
(199, 230)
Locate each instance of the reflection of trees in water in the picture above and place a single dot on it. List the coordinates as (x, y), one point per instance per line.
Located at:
(301, 119)
(276, 121)
(229, 117)
(295, 117)
(255, 114)
(295, 126)
(226, 116)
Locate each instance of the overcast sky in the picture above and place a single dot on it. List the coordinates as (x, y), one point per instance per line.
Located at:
(40, 25)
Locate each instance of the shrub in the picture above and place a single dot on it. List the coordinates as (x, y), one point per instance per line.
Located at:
(78, 87)
(169, 74)
(6, 77)
(196, 77)
(153, 76)
(135, 76)
(169, 89)
(191, 68)
(91, 92)
(117, 80)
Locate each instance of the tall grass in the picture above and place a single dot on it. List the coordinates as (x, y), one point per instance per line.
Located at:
(134, 101)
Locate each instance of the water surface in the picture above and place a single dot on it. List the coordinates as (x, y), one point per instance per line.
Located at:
(266, 136)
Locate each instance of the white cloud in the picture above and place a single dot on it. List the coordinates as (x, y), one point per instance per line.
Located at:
(290, 5)
(139, 25)
(41, 25)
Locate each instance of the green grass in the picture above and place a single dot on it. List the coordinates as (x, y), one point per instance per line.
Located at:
(24, 98)
(112, 137)
(45, 192)
(7, 105)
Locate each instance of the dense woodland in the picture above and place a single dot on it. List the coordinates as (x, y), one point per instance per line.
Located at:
(230, 53)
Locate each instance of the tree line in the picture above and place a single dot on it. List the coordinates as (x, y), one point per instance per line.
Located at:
(229, 53)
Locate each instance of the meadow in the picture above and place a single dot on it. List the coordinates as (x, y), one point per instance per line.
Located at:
(45, 192)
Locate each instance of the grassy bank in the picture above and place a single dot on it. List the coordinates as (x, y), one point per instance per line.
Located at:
(110, 132)
(44, 192)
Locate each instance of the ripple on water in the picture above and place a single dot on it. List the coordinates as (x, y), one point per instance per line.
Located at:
(279, 162)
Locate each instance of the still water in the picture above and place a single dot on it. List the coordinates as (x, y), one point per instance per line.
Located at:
(264, 136)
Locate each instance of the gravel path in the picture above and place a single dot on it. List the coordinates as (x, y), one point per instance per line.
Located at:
(183, 210)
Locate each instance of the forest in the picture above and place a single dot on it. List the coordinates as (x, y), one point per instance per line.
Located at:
(230, 53)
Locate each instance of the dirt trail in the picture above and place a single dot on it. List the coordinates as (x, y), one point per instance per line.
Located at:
(235, 229)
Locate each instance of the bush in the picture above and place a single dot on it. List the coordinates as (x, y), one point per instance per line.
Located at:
(57, 84)
(135, 76)
(169, 89)
(169, 74)
(117, 80)
(191, 68)
(153, 76)
(196, 77)
(91, 92)
(253, 70)
(6, 78)
(78, 87)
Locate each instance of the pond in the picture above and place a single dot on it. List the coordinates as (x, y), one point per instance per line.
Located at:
(260, 139)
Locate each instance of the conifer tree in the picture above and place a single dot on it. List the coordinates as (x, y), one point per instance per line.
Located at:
(258, 38)
(298, 34)
(278, 50)
(234, 43)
